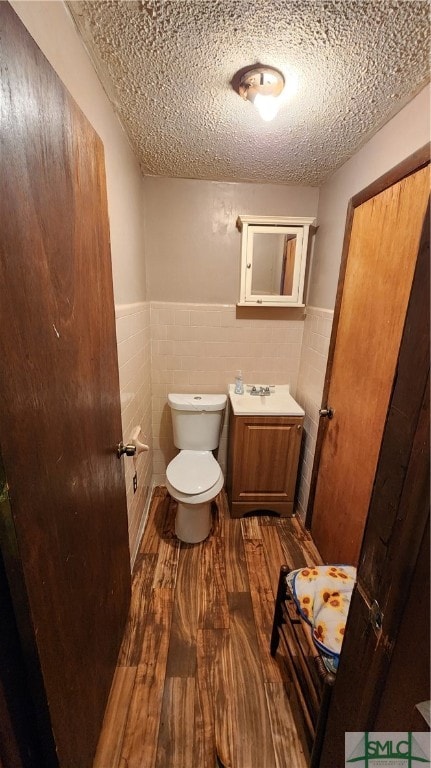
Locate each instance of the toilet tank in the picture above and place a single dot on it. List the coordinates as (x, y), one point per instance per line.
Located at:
(197, 420)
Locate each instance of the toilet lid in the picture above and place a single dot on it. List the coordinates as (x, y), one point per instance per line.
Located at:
(193, 471)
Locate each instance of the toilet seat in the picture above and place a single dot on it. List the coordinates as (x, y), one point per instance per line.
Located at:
(193, 472)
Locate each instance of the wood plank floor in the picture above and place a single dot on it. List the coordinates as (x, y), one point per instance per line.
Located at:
(195, 685)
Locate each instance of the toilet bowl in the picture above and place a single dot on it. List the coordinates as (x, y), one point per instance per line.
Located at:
(194, 477)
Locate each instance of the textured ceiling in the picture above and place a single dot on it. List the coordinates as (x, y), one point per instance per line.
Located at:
(167, 67)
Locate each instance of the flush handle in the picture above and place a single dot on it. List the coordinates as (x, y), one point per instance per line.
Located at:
(328, 412)
(122, 449)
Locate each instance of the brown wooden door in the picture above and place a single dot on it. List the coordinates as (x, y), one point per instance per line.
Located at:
(64, 522)
(382, 252)
(394, 556)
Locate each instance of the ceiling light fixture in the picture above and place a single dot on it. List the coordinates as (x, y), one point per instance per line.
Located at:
(262, 86)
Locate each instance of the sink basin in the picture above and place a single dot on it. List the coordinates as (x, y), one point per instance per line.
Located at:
(279, 403)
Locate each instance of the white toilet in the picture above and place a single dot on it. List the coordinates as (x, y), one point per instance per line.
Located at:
(194, 477)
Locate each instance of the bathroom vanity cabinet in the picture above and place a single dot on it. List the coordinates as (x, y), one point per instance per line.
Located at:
(263, 463)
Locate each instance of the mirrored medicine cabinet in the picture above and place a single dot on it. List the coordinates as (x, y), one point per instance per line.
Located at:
(273, 260)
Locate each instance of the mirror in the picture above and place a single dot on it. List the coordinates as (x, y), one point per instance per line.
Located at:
(273, 257)
(273, 262)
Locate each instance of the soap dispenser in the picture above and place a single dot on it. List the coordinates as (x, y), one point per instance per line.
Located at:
(239, 384)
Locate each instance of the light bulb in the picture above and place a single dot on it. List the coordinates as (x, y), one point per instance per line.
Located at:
(267, 106)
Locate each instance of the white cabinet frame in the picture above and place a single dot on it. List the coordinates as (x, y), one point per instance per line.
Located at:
(249, 226)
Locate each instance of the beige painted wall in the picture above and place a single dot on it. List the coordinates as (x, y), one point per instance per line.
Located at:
(192, 243)
(51, 26)
(400, 137)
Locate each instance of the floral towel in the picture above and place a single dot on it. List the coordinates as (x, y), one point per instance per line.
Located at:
(322, 594)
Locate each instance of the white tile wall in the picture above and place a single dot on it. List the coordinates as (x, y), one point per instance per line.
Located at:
(134, 359)
(314, 355)
(198, 348)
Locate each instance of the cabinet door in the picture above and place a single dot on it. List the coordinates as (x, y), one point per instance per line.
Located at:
(266, 457)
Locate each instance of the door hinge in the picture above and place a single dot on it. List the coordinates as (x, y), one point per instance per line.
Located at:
(4, 492)
(375, 613)
(376, 616)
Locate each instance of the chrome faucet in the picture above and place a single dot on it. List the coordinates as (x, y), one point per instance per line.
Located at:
(263, 391)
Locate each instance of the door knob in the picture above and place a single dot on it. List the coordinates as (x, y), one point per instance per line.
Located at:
(328, 412)
(122, 449)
